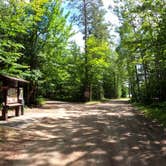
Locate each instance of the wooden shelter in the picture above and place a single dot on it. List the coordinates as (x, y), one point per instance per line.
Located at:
(12, 95)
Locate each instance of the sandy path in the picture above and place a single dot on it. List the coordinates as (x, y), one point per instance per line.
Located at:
(67, 134)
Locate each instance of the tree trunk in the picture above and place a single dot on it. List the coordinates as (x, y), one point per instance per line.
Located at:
(145, 76)
(86, 82)
(137, 83)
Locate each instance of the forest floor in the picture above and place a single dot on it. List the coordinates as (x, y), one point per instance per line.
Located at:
(95, 134)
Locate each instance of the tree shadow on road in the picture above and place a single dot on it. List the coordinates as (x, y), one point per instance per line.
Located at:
(105, 134)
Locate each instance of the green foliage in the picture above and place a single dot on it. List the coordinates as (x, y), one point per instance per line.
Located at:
(34, 43)
(40, 101)
(98, 55)
(34, 36)
(90, 19)
(156, 111)
(142, 48)
(12, 24)
(62, 79)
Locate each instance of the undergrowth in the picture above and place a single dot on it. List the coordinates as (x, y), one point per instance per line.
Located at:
(156, 111)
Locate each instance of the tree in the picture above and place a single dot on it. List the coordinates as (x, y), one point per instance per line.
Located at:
(142, 24)
(12, 24)
(46, 42)
(92, 24)
(98, 56)
(33, 35)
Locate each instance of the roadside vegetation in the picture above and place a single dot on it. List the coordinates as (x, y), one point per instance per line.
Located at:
(155, 111)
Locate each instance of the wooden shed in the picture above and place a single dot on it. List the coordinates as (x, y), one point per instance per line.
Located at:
(12, 95)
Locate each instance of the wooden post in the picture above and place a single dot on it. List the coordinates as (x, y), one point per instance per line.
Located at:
(17, 111)
(4, 113)
(4, 109)
(18, 93)
(22, 110)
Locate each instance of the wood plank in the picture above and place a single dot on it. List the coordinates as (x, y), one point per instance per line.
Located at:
(14, 105)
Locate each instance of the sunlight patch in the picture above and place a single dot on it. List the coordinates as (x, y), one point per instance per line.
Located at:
(99, 152)
(118, 158)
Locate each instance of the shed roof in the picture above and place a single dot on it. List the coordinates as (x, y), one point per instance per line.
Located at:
(13, 78)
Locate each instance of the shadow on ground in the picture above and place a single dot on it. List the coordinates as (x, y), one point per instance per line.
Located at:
(110, 134)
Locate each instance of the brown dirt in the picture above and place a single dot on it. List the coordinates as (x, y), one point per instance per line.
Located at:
(68, 134)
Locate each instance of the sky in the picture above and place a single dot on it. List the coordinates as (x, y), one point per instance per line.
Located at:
(110, 17)
(107, 2)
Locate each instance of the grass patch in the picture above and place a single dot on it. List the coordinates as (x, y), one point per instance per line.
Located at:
(105, 100)
(121, 99)
(155, 111)
(124, 99)
(40, 101)
(93, 102)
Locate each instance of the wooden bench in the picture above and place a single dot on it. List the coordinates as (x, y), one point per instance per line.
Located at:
(16, 106)
(12, 101)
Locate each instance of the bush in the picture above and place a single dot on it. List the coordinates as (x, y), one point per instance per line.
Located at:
(40, 101)
(156, 111)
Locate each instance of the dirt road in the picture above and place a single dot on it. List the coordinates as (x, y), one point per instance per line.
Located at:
(67, 134)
